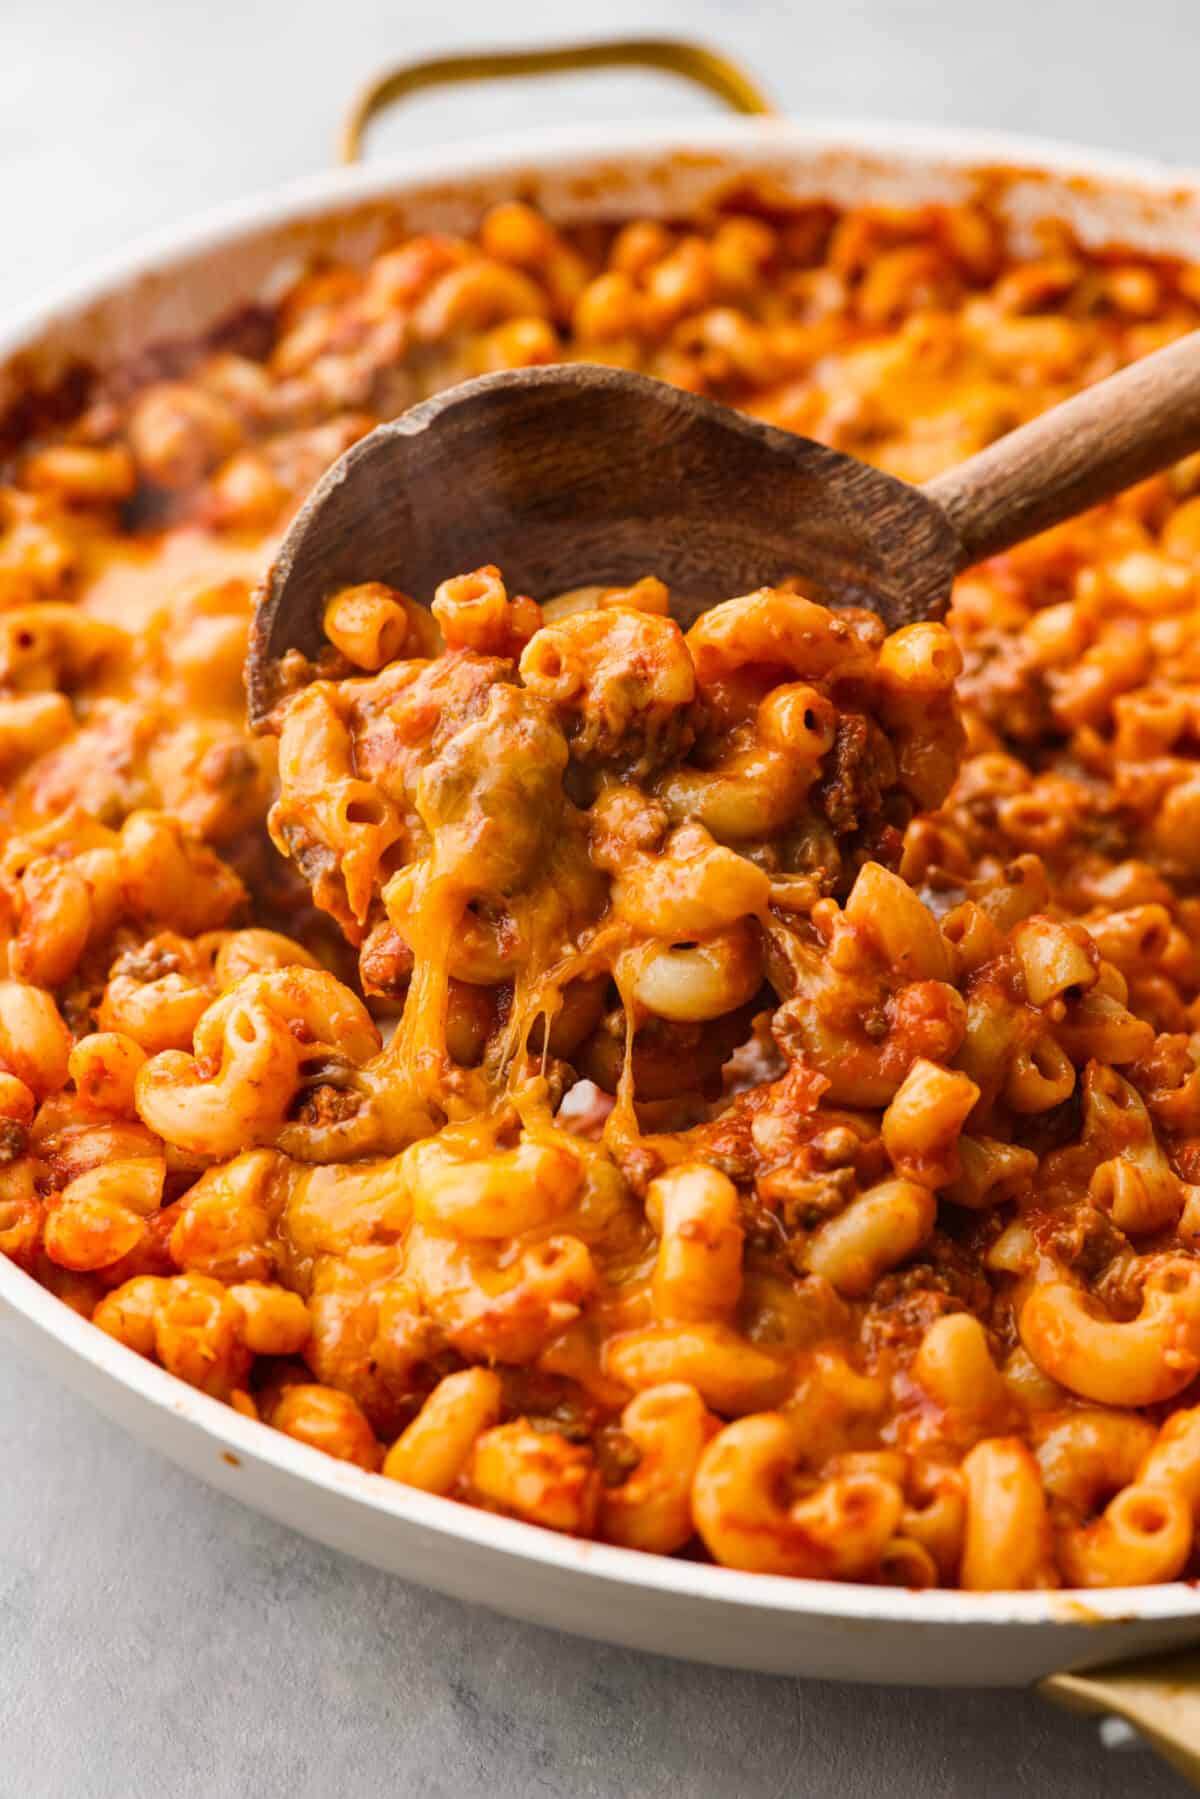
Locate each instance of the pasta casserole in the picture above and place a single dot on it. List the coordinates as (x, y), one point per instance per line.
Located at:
(729, 1090)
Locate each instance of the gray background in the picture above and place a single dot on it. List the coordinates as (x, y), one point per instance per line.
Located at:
(154, 1637)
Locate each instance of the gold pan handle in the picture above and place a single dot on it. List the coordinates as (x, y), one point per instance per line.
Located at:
(1159, 1695)
(719, 74)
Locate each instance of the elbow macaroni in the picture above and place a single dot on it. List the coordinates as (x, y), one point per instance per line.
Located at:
(731, 1089)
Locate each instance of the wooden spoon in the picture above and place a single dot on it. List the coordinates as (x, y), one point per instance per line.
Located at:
(574, 474)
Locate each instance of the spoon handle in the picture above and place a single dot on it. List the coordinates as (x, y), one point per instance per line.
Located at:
(1110, 436)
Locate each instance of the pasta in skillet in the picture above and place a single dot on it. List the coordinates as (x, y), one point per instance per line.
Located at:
(733, 1090)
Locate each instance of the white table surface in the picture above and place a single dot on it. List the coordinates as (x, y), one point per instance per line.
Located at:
(156, 1638)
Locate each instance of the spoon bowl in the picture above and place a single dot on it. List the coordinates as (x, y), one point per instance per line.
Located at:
(574, 475)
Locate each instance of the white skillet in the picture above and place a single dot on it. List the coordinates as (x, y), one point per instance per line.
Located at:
(184, 281)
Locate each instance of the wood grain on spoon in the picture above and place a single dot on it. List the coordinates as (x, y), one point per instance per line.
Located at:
(575, 474)
(1092, 446)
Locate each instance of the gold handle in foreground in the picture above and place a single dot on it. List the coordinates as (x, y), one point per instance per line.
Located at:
(707, 68)
(1159, 1695)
